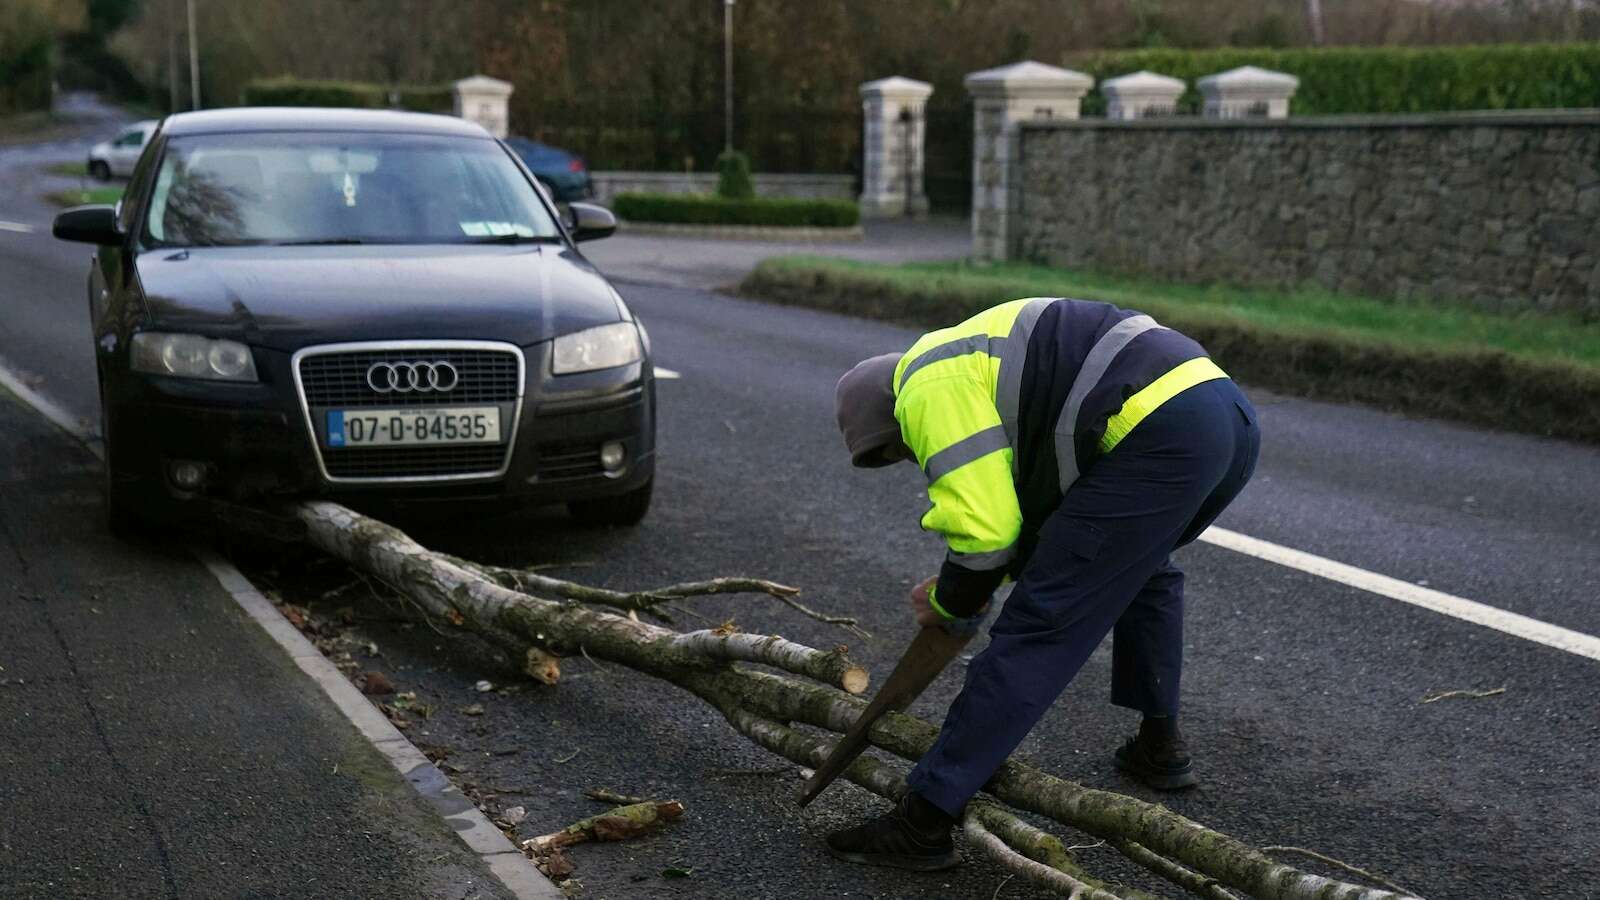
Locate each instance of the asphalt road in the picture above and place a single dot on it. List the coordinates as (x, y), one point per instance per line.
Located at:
(1301, 695)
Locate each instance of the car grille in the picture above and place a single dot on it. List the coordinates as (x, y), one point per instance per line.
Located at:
(410, 462)
(335, 378)
(339, 380)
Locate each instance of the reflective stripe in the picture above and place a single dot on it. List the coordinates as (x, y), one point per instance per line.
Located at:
(1094, 368)
(984, 562)
(977, 343)
(1179, 379)
(1013, 357)
(968, 449)
(933, 601)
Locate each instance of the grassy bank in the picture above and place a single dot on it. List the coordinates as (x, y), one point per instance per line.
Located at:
(1533, 373)
(78, 197)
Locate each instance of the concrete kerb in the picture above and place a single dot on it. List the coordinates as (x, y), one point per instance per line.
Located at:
(503, 860)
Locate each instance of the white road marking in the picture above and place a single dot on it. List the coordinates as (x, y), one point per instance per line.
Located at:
(12, 381)
(18, 227)
(668, 374)
(1517, 625)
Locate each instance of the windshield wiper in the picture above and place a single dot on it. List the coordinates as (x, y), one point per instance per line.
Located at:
(512, 239)
(322, 242)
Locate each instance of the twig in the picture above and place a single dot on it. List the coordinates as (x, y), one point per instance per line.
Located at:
(1001, 886)
(570, 756)
(598, 668)
(606, 795)
(1378, 880)
(1462, 695)
(1182, 876)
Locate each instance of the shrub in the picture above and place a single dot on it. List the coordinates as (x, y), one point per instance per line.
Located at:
(1372, 80)
(700, 209)
(733, 176)
(357, 94)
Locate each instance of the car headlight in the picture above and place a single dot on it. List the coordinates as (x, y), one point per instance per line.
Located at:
(597, 348)
(192, 356)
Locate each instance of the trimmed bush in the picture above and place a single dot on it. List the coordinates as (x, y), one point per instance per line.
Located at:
(1483, 386)
(733, 176)
(1373, 80)
(702, 209)
(355, 94)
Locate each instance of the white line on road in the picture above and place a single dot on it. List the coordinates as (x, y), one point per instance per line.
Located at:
(12, 381)
(1575, 642)
(668, 374)
(18, 227)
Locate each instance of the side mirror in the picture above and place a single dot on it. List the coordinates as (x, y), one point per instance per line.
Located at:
(95, 224)
(590, 222)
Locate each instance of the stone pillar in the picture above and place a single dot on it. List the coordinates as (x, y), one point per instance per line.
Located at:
(1247, 93)
(895, 110)
(1002, 99)
(1141, 95)
(486, 101)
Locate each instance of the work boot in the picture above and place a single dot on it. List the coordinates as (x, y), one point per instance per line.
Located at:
(914, 835)
(1158, 756)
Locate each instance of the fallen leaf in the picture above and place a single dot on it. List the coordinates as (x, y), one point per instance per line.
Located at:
(514, 815)
(375, 683)
(483, 687)
(475, 709)
(676, 872)
(455, 618)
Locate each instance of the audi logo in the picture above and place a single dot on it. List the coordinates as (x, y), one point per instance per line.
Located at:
(412, 377)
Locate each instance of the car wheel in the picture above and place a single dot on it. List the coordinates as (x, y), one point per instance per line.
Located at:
(124, 517)
(99, 170)
(619, 511)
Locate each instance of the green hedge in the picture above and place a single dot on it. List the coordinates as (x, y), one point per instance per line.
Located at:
(703, 209)
(25, 78)
(1354, 80)
(356, 94)
(1483, 385)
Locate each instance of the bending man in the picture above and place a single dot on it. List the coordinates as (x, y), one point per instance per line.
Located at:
(1073, 446)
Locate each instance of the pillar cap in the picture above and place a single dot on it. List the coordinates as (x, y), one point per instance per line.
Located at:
(1142, 84)
(1249, 81)
(1028, 79)
(483, 84)
(897, 86)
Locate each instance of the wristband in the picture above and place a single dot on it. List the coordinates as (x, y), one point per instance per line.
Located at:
(933, 602)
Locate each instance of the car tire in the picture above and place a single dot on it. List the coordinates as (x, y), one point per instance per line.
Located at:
(124, 519)
(99, 171)
(620, 511)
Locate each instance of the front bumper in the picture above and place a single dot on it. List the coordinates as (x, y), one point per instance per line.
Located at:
(255, 445)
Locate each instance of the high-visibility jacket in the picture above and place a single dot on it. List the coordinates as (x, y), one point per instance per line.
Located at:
(1006, 409)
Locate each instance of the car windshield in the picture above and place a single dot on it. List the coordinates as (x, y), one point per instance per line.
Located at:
(341, 188)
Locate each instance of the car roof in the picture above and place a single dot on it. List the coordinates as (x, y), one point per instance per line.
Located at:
(303, 118)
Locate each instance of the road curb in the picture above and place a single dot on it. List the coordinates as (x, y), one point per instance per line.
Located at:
(469, 823)
(503, 860)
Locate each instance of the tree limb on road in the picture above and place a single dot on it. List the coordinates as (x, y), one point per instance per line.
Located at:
(762, 706)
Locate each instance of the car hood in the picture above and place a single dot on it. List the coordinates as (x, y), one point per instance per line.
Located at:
(287, 298)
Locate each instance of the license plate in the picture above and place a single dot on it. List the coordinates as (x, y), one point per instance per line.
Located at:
(413, 427)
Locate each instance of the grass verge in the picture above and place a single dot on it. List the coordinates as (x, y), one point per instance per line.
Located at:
(70, 169)
(698, 209)
(1533, 373)
(78, 197)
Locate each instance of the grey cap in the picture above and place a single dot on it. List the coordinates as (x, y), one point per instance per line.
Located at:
(864, 405)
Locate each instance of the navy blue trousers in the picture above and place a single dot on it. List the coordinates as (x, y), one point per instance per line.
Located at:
(1102, 563)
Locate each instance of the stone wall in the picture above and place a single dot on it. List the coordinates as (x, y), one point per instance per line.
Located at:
(802, 187)
(1496, 210)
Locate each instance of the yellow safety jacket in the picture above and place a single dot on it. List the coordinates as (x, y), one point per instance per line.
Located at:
(1006, 409)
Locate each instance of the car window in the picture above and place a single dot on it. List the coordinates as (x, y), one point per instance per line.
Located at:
(138, 186)
(340, 188)
(130, 138)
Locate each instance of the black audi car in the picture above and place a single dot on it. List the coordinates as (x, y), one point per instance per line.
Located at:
(360, 304)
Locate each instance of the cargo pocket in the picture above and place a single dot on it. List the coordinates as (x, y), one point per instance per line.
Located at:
(1054, 581)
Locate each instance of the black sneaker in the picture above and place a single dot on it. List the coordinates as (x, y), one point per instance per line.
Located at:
(1161, 763)
(896, 839)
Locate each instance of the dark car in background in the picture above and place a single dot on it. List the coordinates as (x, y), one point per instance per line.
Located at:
(563, 173)
(357, 304)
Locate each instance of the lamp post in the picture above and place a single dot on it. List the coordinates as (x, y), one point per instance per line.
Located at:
(727, 75)
(194, 62)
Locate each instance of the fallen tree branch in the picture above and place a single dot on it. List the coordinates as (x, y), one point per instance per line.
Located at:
(1036, 872)
(1337, 864)
(618, 824)
(1199, 885)
(759, 704)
